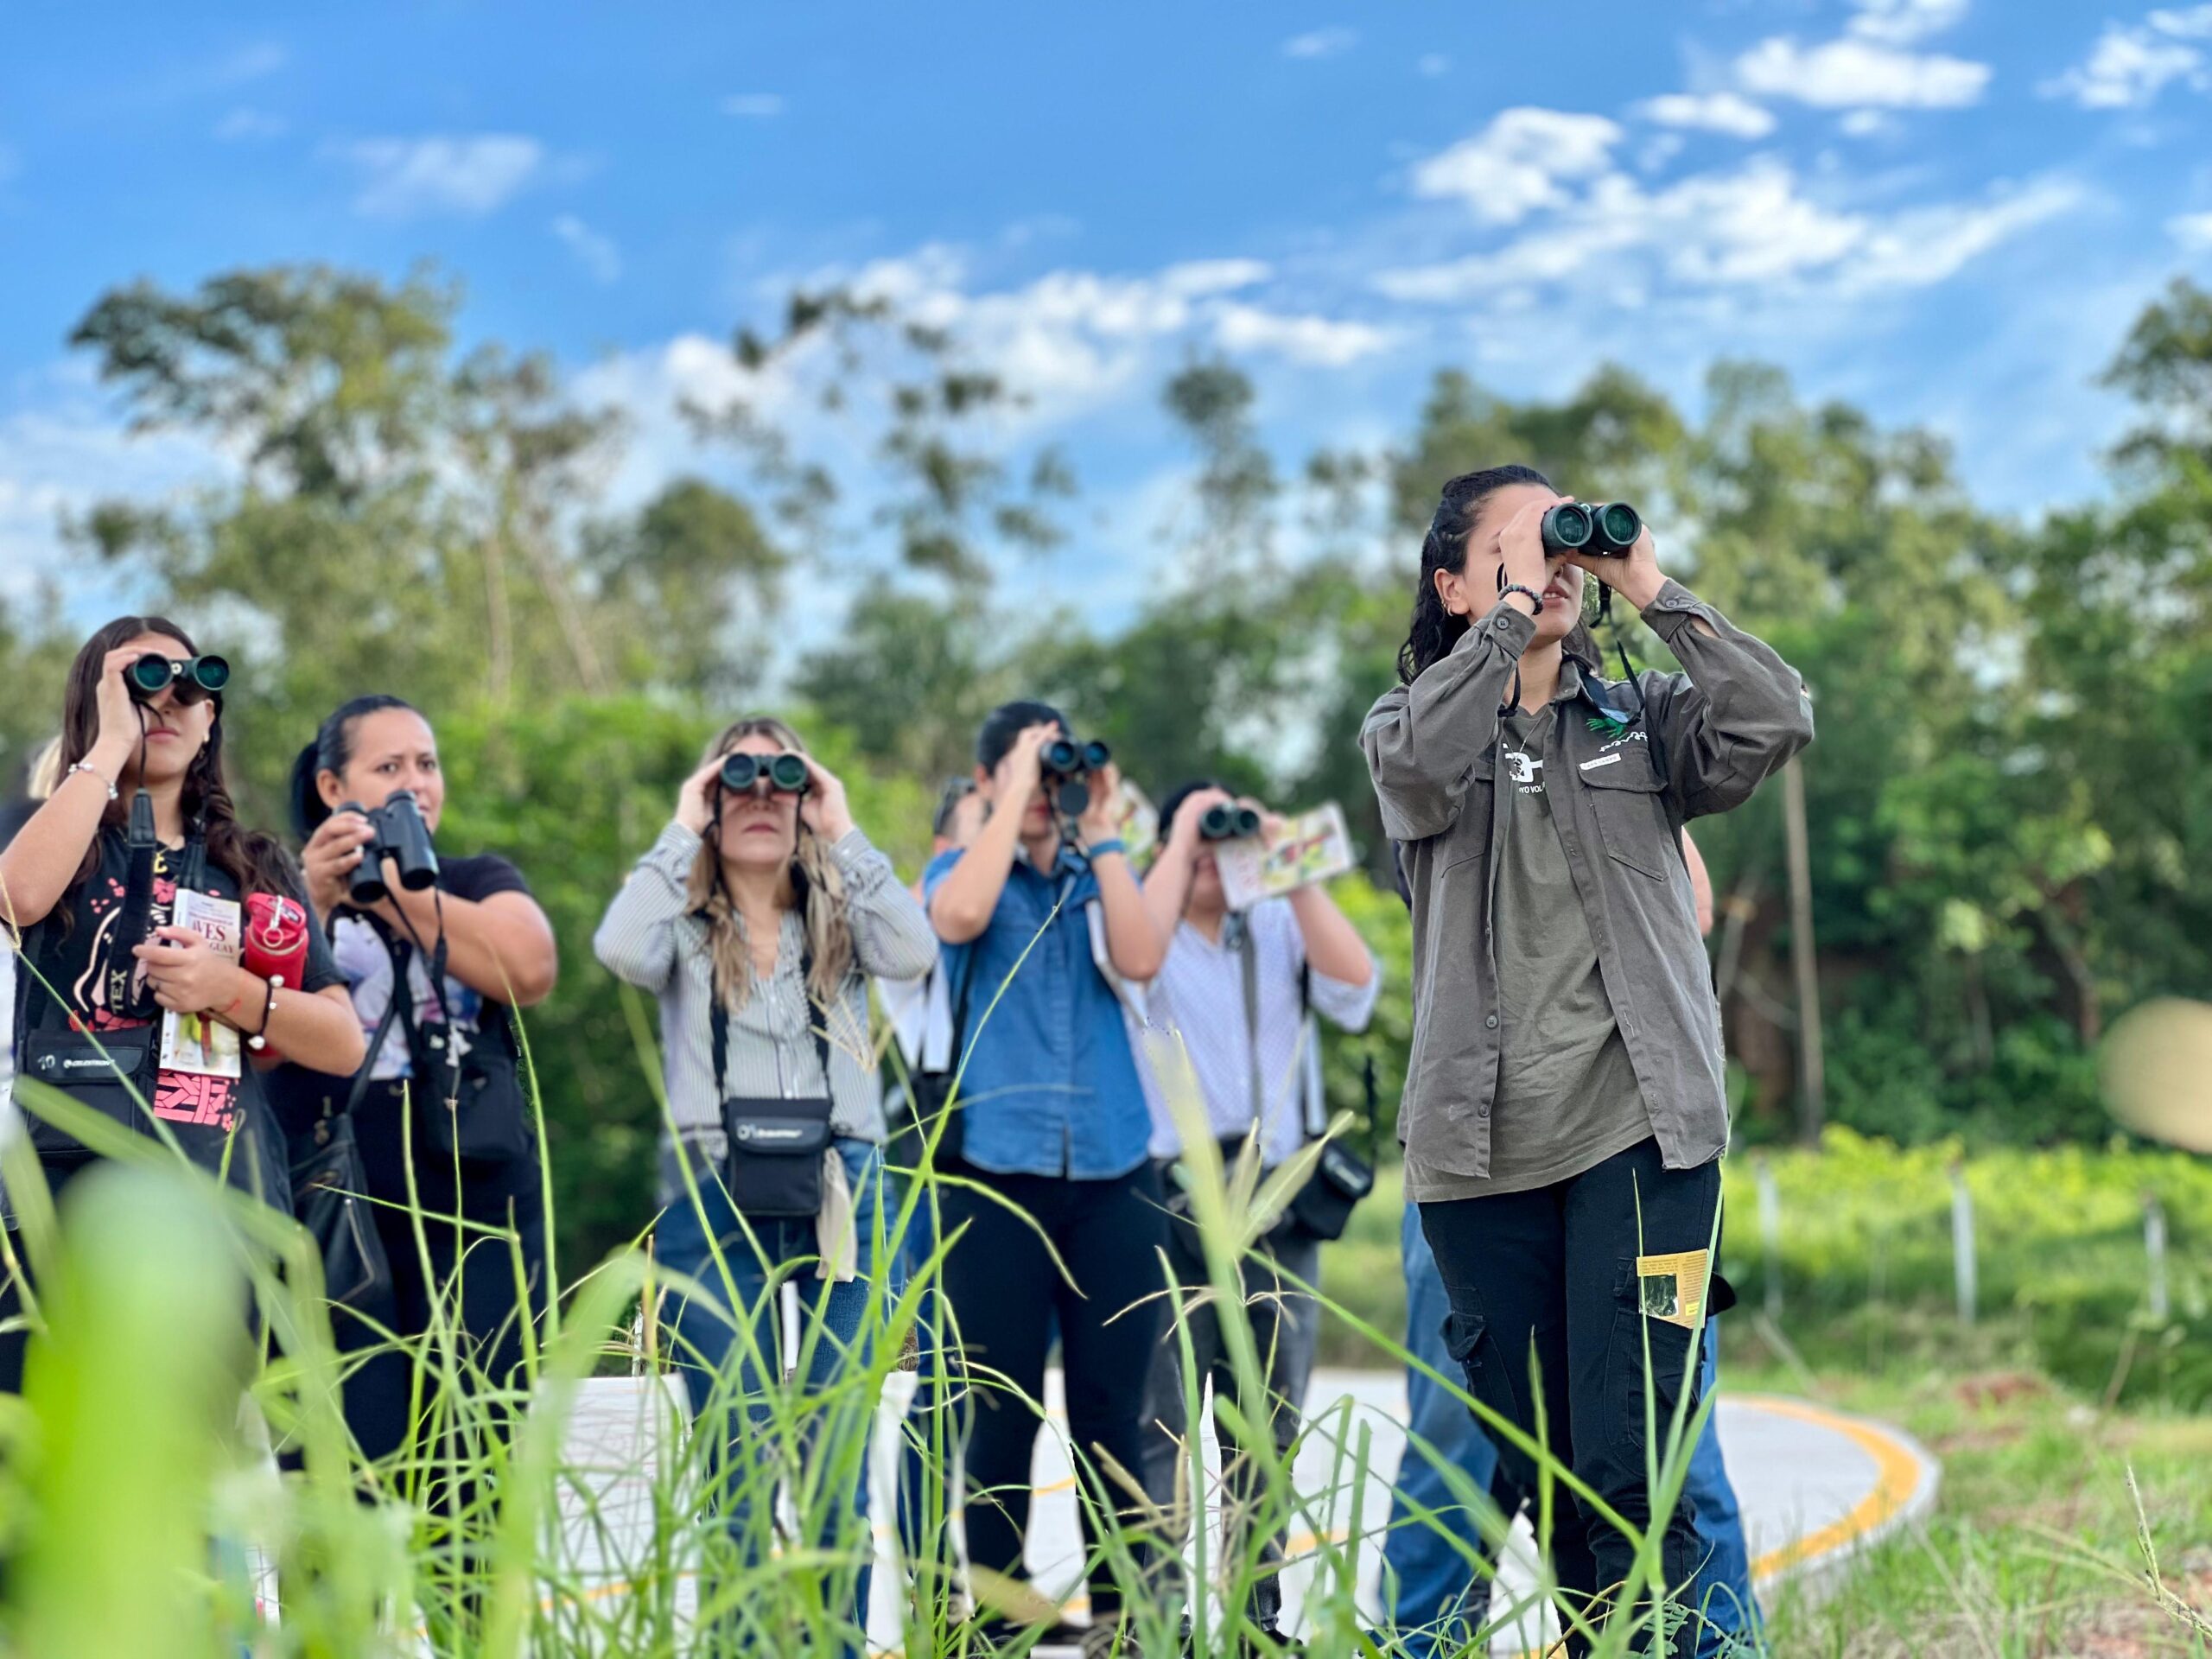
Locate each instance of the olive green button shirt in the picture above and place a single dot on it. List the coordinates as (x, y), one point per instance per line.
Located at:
(1703, 740)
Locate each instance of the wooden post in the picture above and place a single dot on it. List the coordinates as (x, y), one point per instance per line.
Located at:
(1962, 1256)
(1769, 1232)
(2154, 1246)
(1812, 1083)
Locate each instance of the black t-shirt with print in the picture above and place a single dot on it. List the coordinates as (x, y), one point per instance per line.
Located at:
(360, 948)
(75, 959)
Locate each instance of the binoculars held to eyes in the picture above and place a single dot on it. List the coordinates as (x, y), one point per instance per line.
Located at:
(1225, 821)
(194, 677)
(1609, 528)
(401, 837)
(1065, 763)
(786, 773)
(781, 772)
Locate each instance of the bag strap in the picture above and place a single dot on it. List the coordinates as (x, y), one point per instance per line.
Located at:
(1248, 962)
(718, 1027)
(362, 1077)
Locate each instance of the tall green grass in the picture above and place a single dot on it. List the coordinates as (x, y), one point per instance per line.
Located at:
(127, 1485)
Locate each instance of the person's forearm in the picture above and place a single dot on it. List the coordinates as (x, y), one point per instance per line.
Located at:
(505, 952)
(1333, 946)
(1134, 945)
(1166, 891)
(969, 896)
(48, 851)
(317, 1029)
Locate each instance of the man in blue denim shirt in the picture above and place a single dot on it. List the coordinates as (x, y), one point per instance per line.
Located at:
(1063, 1222)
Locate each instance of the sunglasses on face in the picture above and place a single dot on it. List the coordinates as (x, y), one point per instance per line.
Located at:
(785, 774)
(194, 677)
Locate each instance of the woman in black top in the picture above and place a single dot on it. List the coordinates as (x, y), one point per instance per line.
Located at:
(443, 1124)
(90, 966)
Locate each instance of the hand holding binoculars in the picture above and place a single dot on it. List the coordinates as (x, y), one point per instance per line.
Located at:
(1066, 765)
(403, 837)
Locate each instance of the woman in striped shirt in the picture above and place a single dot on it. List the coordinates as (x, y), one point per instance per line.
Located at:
(761, 911)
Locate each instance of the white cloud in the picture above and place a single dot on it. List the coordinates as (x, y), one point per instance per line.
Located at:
(2192, 230)
(1924, 246)
(1860, 74)
(1726, 113)
(469, 176)
(1867, 124)
(597, 254)
(1905, 23)
(1750, 226)
(1326, 341)
(244, 125)
(1516, 164)
(2194, 24)
(754, 106)
(2129, 66)
(1434, 64)
(1322, 43)
(255, 62)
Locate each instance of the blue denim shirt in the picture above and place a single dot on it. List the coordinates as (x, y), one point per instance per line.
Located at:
(1051, 1087)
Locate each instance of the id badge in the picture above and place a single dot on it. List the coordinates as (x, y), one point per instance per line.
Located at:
(1672, 1287)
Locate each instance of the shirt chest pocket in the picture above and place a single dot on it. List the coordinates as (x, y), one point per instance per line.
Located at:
(1628, 798)
(1469, 837)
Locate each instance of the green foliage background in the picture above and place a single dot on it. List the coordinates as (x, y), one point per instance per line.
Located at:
(2010, 798)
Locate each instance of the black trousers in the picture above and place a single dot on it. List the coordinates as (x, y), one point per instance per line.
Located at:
(471, 1276)
(1007, 1295)
(1549, 1277)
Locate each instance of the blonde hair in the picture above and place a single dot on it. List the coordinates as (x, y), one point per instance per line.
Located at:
(819, 884)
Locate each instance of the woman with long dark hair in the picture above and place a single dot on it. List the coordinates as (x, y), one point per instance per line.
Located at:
(448, 1141)
(757, 919)
(1058, 1209)
(1564, 1113)
(146, 1020)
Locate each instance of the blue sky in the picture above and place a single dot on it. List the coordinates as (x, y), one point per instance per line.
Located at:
(1945, 210)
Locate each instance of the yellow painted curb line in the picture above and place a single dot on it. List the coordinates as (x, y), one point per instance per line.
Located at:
(1897, 1477)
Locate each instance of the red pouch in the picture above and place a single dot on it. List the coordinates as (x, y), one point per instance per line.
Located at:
(276, 938)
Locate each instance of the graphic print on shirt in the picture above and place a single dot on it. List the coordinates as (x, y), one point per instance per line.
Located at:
(181, 1096)
(1523, 767)
(366, 964)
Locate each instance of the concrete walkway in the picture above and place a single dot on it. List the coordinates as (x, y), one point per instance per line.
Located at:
(1816, 1487)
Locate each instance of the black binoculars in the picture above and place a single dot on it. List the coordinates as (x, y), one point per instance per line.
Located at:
(194, 677)
(1604, 527)
(786, 773)
(1225, 821)
(401, 837)
(1067, 762)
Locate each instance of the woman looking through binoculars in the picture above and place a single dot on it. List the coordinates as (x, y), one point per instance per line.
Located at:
(139, 815)
(757, 918)
(1564, 1113)
(1049, 1120)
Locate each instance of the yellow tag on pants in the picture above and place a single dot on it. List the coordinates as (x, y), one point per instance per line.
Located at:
(1672, 1287)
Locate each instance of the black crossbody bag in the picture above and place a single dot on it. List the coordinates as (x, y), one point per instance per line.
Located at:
(472, 1104)
(774, 1167)
(329, 1184)
(1321, 1207)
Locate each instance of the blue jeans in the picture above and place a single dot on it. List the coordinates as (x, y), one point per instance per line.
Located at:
(1437, 1600)
(722, 1370)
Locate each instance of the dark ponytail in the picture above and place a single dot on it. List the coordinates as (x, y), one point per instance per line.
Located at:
(1434, 630)
(330, 752)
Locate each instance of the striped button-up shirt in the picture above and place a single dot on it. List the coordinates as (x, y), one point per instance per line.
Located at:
(1200, 995)
(650, 937)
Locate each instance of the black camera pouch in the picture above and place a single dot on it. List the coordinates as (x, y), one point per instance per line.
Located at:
(473, 1110)
(773, 1168)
